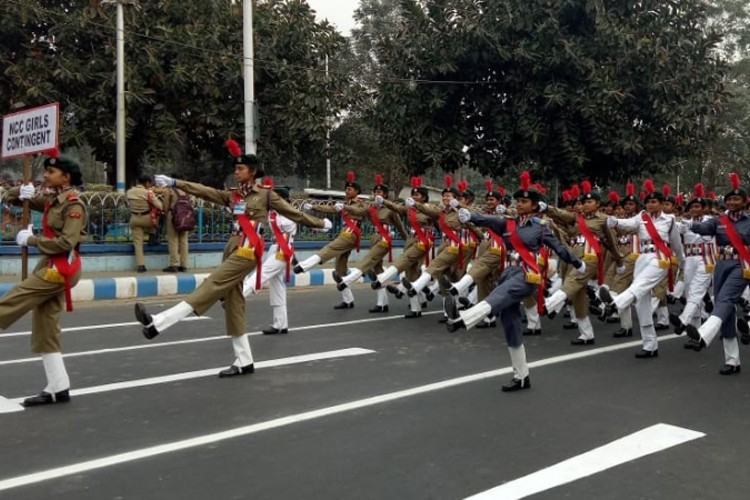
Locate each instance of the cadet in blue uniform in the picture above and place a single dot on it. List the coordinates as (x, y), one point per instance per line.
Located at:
(731, 277)
(524, 237)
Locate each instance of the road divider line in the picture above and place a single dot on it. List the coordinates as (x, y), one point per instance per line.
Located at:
(96, 327)
(647, 441)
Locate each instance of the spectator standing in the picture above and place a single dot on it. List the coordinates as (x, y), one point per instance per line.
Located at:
(141, 201)
(177, 240)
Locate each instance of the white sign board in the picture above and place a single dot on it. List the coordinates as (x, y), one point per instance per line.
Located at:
(30, 131)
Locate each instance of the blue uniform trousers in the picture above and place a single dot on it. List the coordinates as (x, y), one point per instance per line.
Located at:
(505, 301)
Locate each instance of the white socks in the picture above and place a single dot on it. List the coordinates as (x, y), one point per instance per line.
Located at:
(242, 352)
(54, 368)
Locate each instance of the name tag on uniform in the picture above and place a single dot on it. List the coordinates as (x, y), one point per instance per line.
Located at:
(239, 208)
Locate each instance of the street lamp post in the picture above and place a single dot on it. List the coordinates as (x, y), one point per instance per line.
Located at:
(247, 65)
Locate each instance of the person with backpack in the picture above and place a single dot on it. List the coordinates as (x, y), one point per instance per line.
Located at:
(144, 207)
(180, 220)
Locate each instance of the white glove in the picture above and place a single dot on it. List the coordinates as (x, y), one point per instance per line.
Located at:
(163, 180)
(453, 203)
(379, 201)
(339, 206)
(611, 221)
(464, 215)
(620, 269)
(687, 224)
(500, 209)
(26, 192)
(581, 269)
(22, 238)
(307, 206)
(327, 225)
(409, 202)
(542, 206)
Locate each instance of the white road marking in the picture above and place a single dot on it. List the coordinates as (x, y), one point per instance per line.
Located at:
(644, 442)
(212, 372)
(96, 327)
(152, 451)
(8, 406)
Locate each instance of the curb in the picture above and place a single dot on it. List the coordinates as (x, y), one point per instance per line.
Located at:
(164, 286)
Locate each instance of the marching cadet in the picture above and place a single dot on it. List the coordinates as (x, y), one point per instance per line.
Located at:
(276, 265)
(731, 277)
(699, 264)
(347, 240)
(523, 237)
(141, 200)
(385, 221)
(58, 270)
(589, 238)
(658, 242)
(416, 248)
(250, 205)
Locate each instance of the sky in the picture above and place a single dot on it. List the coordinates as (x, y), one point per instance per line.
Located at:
(338, 12)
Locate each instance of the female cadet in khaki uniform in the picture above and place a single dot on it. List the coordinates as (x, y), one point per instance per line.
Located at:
(58, 270)
(250, 206)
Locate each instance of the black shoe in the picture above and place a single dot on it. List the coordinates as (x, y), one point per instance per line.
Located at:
(612, 319)
(393, 290)
(596, 309)
(170, 269)
(671, 299)
(607, 311)
(427, 294)
(566, 314)
(413, 314)
(692, 332)
(275, 331)
(744, 330)
(453, 325)
(582, 342)
(622, 332)
(344, 305)
(683, 300)
(605, 296)
(465, 303)
(693, 345)
(144, 318)
(298, 269)
(446, 283)
(443, 320)
(378, 309)
(453, 290)
(516, 384)
(591, 294)
(409, 289)
(182, 269)
(423, 305)
(643, 354)
(549, 314)
(570, 326)
(679, 328)
(45, 398)
(233, 371)
(532, 332)
(141, 269)
(659, 327)
(485, 324)
(375, 284)
(708, 304)
(729, 370)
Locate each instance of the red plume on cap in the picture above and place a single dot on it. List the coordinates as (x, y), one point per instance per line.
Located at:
(565, 195)
(233, 147)
(463, 186)
(448, 181)
(575, 192)
(52, 153)
(712, 195)
(648, 186)
(267, 182)
(679, 199)
(525, 180)
(614, 197)
(586, 186)
(501, 190)
(699, 191)
(488, 185)
(734, 178)
(630, 189)
(643, 195)
(378, 179)
(666, 189)
(540, 188)
(416, 182)
(350, 176)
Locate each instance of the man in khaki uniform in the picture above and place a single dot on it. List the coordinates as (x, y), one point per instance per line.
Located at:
(177, 241)
(58, 270)
(347, 240)
(250, 205)
(141, 199)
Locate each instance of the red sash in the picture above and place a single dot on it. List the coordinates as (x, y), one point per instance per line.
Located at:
(661, 246)
(528, 258)
(452, 235)
(421, 236)
(382, 231)
(593, 241)
(66, 265)
(284, 245)
(353, 227)
(248, 228)
(736, 240)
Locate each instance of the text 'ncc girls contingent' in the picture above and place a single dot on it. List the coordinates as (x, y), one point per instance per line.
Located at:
(512, 259)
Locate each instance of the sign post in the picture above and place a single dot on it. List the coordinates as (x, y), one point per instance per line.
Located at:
(25, 133)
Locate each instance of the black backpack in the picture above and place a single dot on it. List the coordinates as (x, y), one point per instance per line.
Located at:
(183, 214)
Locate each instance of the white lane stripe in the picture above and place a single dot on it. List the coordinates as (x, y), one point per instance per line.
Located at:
(211, 372)
(283, 421)
(644, 442)
(96, 327)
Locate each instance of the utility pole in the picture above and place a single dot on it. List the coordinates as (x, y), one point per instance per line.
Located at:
(248, 75)
(328, 135)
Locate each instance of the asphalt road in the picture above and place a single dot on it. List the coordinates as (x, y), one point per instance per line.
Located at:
(393, 408)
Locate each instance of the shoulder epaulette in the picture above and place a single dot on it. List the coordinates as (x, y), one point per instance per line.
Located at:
(72, 197)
